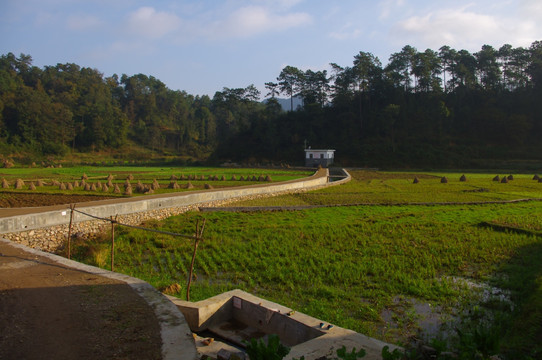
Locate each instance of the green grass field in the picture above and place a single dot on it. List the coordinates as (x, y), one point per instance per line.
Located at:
(370, 268)
(370, 187)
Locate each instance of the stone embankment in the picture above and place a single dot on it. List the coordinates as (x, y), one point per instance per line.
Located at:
(53, 239)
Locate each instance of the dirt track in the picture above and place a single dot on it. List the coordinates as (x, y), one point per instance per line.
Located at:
(20, 200)
(49, 311)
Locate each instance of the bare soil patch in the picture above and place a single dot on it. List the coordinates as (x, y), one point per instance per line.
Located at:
(18, 200)
(54, 311)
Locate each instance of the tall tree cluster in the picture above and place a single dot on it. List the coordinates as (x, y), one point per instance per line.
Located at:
(436, 108)
(444, 108)
(66, 108)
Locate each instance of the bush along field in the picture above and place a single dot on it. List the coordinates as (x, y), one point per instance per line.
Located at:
(464, 277)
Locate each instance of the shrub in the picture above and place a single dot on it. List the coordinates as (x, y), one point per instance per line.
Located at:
(273, 350)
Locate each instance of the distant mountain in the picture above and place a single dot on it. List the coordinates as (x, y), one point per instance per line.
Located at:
(286, 105)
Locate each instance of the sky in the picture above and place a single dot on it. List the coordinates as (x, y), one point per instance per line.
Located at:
(202, 46)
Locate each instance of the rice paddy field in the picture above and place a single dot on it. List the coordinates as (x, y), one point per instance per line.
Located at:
(143, 173)
(39, 181)
(453, 264)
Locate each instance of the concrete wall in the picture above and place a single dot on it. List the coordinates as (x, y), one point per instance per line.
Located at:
(300, 331)
(263, 315)
(105, 209)
(291, 332)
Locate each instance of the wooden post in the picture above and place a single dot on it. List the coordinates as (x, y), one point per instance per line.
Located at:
(113, 243)
(199, 234)
(72, 207)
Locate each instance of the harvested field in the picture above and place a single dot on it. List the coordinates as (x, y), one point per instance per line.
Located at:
(16, 200)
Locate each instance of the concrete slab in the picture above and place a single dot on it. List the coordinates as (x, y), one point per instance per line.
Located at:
(307, 336)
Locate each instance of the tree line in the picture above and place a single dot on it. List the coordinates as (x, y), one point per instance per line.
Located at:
(424, 108)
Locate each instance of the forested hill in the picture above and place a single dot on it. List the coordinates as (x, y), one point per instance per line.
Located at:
(444, 108)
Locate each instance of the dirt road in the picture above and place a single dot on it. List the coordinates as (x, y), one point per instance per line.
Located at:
(50, 311)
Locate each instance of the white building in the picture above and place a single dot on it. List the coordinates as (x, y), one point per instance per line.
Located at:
(314, 157)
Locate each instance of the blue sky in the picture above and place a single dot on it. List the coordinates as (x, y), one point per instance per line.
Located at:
(201, 46)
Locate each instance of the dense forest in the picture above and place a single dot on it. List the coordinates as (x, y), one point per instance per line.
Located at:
(444, 108)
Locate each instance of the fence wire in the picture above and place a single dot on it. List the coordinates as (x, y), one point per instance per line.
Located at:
(136, 227)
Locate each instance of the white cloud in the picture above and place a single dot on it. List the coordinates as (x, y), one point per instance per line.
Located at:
(252, 20)
(45, 19)
(148, 22)
(280, 4)
(346, 32)
(531, 9)
(388, 6)
(463, 28)
(83, 22)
